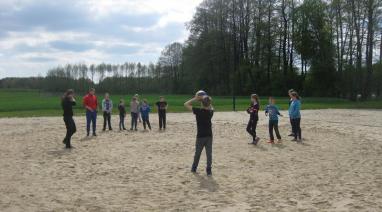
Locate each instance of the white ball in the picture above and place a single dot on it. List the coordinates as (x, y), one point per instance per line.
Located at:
(201, 93)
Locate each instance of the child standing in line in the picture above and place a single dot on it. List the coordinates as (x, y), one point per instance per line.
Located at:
(162, 109)
(204, 130)
(295, 115)
(273, 112)
(134, 110)
(290, 101)
(122, 114)
(145, 111)
(253, 111)
(107, 107)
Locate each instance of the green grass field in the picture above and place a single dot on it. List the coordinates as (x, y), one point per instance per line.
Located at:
(25, 103)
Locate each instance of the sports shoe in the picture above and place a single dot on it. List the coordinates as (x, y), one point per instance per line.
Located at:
(209, 172)
(270, 142)
(291, 135)
(193, 169)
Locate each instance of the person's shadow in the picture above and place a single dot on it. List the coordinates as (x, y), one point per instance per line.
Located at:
(207, 182)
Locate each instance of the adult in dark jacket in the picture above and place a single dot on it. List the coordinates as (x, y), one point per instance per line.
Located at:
(67, 103)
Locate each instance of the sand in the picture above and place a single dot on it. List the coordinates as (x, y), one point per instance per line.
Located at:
(338, 168)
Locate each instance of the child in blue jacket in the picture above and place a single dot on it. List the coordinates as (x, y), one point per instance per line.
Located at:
(273, 112)
(145, 111)
(295, 116)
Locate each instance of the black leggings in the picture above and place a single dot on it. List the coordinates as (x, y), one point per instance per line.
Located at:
(70, 129)
(134, 120)
(106, 119)
(296, 128)
(162, 119)
(251, 128)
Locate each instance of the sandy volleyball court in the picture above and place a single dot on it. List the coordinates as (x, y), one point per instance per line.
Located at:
(339, 168)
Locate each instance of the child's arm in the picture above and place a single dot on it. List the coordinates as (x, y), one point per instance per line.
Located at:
(188, 104)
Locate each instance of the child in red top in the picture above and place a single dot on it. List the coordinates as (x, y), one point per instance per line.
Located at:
(90, 103)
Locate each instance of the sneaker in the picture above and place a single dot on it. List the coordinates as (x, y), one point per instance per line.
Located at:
(257, 139)
(64, 141)
(94, 134)
(103, 129)
(270, 142)
(291, 135)
(193, 169)
(124, 129)
(131, 129)
(136, 129)
(87, 134)
(110, 129)
(209, 172)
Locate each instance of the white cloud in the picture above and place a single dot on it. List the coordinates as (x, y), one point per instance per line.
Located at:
(27, 50)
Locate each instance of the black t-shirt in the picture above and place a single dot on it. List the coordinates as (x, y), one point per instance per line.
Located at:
(253, 111)
(203, 122)
(67, 106)
(122, 109)
(161, 106)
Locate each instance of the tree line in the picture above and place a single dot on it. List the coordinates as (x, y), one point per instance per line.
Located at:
(237, 47)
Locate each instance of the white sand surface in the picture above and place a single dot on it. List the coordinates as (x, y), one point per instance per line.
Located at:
(338, 168)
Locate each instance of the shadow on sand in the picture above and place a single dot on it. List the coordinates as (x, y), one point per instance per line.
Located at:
(59, 153)
(207, 182)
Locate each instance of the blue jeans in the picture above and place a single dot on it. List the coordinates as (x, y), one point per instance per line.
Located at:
(134, 120)
(91, 116)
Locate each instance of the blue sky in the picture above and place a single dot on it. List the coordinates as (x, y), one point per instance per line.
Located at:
(36, 35)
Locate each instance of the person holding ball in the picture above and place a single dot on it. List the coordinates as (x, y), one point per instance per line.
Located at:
(204, 128)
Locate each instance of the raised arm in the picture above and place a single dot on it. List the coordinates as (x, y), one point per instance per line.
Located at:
(188, 104)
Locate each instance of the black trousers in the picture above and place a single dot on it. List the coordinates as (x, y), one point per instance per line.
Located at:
(106, 119)
(296, 128)
(162, 119)
(134, 120)
(200, 144)
(146, 121)
(251, 128)
(121, 121)
(70, 129)
(274, 125)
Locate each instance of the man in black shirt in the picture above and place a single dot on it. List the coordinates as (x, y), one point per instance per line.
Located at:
(162, 108)
(204, 130)
(67, 103)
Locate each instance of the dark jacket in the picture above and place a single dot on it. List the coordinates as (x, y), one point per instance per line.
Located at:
(253, 111)
(67, 105)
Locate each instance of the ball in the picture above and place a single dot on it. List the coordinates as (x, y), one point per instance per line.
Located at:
(201, 93)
